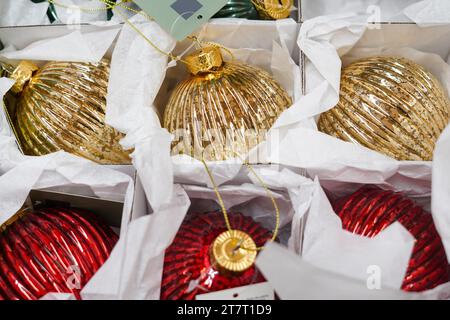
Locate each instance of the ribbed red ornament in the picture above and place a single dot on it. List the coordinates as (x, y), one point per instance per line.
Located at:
(187, 266)
(370, 210)
(52, 250)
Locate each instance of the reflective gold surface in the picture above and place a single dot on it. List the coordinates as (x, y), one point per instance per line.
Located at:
(391, 105)
(275, 9)
(62, 107)
(22, 74)
(233, 251)
(204, 60)
(224, 112)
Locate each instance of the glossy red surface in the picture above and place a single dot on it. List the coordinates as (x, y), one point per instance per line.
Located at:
(187, 266)
(370, 210)
(52, 250)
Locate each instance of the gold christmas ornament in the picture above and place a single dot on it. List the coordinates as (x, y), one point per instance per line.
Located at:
(61, 106)
(391, 105)
(224, 108)
(273, 9)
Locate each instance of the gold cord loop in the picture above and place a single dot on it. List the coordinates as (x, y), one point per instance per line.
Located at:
(224, 210)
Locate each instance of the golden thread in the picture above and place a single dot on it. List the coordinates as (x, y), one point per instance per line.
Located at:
(274, 11)
(222, 204)
(111, 5)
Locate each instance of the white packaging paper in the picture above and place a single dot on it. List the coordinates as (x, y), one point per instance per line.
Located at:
(378, 10)
(22, 12)
(296, 279)
(336, 264)
(61, 170)
(441, 188)
(429, 12)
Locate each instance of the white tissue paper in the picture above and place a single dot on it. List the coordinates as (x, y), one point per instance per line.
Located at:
(379, 10)
(59, 171)
(441, 188)
(22, 12)
(70, 12)
(429, 12)
(336, 264)
(296, 279)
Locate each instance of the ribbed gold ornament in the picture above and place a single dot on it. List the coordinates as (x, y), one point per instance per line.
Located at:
(224, 108)
(274, 9)
(391, 105)
(62, 107)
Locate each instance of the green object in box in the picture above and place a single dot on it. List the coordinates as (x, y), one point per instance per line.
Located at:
(181, 17)
(51, 12)
(238, 9)
(52, 16)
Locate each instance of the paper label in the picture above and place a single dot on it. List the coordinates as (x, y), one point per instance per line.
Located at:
(260, 291)
(181, 17)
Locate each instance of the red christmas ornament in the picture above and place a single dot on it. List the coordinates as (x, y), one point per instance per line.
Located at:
(52, 250)
(189, 266)
(370, 210)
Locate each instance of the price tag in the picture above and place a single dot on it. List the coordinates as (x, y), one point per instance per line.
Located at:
(260, 291)
(181, 17)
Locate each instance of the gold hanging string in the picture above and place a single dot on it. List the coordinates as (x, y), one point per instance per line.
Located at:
(111, 5)
(224, 210)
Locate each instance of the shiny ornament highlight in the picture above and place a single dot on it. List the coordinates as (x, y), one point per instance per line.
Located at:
(204, 257)
(51, 250)
(61, 106)
(370, 210)
(224, 108)
(391, 105)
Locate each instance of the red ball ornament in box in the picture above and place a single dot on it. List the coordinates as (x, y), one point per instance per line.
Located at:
(51, 250)
(370, 210)
(189, 268)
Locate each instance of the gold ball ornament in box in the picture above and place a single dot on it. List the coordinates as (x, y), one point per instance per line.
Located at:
(61, 106)
(273, 9)
(391, 105)
(224, 108)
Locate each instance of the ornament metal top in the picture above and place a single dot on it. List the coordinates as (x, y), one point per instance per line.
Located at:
(206, 257)
(391, 105)
(256, 9)
(224, 108)
(61, 106)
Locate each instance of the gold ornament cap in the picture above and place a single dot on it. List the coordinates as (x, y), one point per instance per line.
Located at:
(204, 60)
(233, 251)
(275, 9)
(20, 214)
(22, 74)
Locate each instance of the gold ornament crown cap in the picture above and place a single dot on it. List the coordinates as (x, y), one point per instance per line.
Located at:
(204, 60)
(20, 214)
(233, 251)
(22, 74)
(275, 9)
